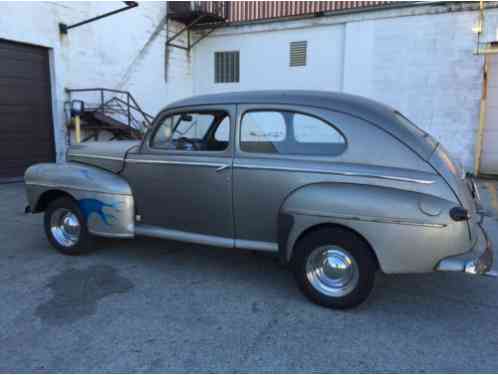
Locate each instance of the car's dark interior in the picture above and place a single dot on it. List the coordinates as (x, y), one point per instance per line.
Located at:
(186, 125)
(208, 142)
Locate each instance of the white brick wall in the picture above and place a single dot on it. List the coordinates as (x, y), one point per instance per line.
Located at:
(424, 66)
(125, 51)
(419, 60)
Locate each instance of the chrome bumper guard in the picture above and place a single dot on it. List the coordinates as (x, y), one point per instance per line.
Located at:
(477, 261)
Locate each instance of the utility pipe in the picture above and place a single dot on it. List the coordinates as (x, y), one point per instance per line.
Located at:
(484, 94)
(77, 129)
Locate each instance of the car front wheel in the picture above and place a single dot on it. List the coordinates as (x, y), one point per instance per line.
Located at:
(334, 267)
(65, 227)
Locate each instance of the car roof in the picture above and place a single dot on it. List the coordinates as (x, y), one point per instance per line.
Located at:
(337, 101)
(375, 112)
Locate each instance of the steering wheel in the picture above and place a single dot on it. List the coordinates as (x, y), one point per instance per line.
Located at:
(189, 141)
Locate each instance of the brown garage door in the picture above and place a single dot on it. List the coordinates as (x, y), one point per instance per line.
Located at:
(26, 130)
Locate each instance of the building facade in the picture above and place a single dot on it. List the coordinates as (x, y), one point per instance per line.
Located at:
(125, 51)
(418, 58)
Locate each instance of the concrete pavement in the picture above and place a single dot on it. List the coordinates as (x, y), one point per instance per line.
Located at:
(149, 305)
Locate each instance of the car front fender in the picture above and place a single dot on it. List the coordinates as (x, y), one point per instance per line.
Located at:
(105, 199)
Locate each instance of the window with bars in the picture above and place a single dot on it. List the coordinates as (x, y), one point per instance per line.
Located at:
(297, 53)
(226, 67)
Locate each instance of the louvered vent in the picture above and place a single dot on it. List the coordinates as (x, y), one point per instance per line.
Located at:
(226, 67)
(298, 53)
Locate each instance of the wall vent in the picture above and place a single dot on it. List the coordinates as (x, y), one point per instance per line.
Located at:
(298, 53)
(226, 67)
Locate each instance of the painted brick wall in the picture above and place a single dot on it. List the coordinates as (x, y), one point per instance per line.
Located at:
(418, 60)
(125, 51)
(424, 66)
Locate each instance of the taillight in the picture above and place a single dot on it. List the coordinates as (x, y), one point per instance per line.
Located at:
(459, 214)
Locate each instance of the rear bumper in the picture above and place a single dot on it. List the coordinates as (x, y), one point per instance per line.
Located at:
(477, 261)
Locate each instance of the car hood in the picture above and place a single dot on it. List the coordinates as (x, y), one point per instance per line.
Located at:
(107, 155)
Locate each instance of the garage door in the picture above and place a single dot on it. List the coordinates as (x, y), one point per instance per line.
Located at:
(489, 153)
(26, 130)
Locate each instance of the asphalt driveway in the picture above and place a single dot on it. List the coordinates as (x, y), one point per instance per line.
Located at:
(150, 305)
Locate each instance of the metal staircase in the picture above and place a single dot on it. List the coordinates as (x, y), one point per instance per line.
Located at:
(114, 113)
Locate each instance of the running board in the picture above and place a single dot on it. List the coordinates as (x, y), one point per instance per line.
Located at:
(202, 239)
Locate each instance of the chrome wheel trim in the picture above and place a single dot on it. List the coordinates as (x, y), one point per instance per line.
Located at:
(332, 271)
(65, 227)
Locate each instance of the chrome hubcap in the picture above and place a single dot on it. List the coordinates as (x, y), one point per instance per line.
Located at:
(332, 271)
(65, 227)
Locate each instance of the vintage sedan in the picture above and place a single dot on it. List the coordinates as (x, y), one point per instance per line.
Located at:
(338, 186)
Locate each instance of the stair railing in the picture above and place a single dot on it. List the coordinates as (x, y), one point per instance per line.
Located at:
(115, 105)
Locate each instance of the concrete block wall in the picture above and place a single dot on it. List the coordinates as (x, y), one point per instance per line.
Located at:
(419, 60)
(424, 66)
(264, 60)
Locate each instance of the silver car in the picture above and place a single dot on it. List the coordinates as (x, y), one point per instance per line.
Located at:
(338, 186)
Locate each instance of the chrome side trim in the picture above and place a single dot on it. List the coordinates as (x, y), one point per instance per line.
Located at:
(177, 235)
(256, 245)
(371, 219)
(174, 162)
(202, 239)
(222, 168)
(339, 173)
(68, 187)
(111, 235)
(69, 155)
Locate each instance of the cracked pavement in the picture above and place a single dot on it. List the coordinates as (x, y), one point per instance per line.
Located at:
(148, 305)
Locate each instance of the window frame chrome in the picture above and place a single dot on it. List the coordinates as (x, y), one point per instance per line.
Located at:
(303, 110)
(148, 148)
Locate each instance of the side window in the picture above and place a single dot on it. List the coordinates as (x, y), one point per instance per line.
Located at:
(222, 133)
(289, 133)
(262, 131)
(193, 126)
(316, 137)
(191, 132)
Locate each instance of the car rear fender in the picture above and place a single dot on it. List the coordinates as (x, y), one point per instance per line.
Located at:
(105, 198)
(408, 231)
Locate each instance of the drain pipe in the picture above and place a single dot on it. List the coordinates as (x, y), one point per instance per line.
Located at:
(482, 117)
(482, 105)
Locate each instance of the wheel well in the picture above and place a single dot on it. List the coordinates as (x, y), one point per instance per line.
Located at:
(49, 196)
(330, 226)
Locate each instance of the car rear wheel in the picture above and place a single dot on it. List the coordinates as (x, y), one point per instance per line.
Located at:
(65, 227)
(334, 268)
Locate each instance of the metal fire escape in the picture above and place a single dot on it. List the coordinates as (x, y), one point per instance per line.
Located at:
(199, 19)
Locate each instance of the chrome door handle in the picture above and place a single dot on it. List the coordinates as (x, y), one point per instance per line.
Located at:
(222, 167)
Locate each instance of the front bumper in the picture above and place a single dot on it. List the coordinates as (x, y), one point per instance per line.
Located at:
(477, 261)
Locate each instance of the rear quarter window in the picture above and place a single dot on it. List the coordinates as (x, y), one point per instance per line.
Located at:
(289, 133)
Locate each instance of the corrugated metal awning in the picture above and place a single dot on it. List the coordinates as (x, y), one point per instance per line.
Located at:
(247, 11)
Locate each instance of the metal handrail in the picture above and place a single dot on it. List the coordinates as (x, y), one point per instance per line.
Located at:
(130, 103)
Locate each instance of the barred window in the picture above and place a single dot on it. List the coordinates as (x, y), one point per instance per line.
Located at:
(226, 67)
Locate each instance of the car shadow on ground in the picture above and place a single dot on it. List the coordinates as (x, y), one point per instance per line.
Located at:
(268, 278)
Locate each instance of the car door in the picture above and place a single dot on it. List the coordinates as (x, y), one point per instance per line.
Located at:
(278, 150)
(183, 186)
